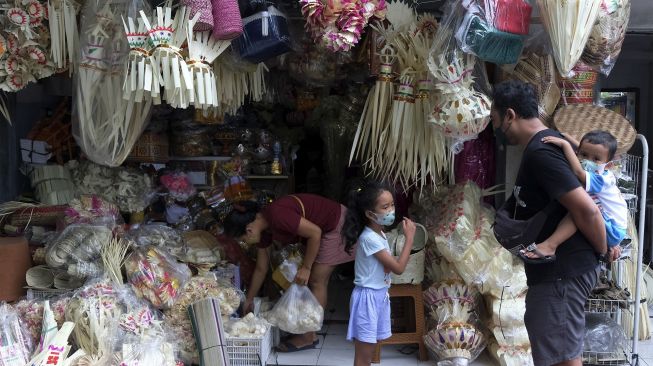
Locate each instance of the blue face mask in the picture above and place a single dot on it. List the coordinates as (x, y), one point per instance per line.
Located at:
(386, 219)
(592, 167)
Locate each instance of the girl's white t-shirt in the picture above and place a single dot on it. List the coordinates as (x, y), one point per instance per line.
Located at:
(369, 271)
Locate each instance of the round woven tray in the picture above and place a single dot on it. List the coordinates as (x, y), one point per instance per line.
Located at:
(577, 120)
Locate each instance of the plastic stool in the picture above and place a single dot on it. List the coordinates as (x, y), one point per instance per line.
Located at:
(414, 291)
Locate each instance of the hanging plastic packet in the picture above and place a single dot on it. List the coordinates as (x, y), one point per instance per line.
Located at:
(460, 111)
(478, 37)
(15, 344)
(265, 35)
(604, 44)
(105, 124)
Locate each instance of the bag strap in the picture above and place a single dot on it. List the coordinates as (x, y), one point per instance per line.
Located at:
(301, 204)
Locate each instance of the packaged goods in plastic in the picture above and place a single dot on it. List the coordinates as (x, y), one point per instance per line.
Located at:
(297, 311)
(156, 276)
(265, 35)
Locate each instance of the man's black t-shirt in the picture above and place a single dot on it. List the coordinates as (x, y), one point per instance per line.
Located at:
(545, 175)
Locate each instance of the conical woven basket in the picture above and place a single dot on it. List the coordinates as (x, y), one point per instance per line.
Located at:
(577, 120)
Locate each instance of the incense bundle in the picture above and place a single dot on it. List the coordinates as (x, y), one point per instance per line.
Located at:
(569, 24)
(209, 332)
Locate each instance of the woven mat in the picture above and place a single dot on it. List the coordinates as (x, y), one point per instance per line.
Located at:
(577, 120)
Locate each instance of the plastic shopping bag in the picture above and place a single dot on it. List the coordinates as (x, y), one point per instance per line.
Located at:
(297, 312)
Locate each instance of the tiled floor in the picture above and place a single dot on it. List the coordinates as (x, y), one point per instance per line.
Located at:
(335, 350)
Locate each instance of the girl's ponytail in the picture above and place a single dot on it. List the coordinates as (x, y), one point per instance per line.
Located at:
(361, 198)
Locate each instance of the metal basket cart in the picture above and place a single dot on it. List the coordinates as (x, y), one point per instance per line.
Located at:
(635, 169)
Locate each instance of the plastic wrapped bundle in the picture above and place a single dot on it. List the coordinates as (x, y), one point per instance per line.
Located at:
(15, 344)
(265, 35)
(511, 356)
(509, 281)
(297, 311)
(77, 250)
(608, 34)
(458, 224)
(569, 24)
(507, 312)
(579, 88)
(460, 111)
(512, 16)
(31, 315)
(489, 44)
(474, 267)
(453, 341)
(511, 336)
(156, 276)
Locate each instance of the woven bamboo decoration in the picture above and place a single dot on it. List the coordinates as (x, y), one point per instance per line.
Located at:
(202, 51)
(167, 36)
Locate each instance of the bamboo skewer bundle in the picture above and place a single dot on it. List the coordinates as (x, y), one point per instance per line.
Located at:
(64, 37)
(203, 49)
(569, 24)
(167, 36)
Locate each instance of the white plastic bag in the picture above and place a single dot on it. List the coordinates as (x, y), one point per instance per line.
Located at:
(297, 311)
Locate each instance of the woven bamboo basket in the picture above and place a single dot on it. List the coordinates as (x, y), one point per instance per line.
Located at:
(577, 120)
(40, 277)
(414, 272)
(150, 148)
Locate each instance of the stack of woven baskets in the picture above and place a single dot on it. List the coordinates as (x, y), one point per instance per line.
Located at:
(52, 184)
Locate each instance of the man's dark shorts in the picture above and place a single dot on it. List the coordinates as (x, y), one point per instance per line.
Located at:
(555, 318)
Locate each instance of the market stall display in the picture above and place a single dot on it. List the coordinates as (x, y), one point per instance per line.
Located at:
(127, 244)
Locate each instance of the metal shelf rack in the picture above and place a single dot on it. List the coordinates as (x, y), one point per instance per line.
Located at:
(637, 169)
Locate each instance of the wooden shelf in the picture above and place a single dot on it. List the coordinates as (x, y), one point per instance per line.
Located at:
(265, 177)
(201, 158)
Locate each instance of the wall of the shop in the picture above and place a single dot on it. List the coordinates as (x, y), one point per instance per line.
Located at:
(26, 108)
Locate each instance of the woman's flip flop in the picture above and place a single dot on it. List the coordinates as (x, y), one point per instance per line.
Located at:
(541, 258)
(289, 347)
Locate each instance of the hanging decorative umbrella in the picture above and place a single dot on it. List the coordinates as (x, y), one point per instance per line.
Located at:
(569, 24)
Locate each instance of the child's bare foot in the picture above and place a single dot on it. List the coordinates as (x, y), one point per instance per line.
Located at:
(544, 249)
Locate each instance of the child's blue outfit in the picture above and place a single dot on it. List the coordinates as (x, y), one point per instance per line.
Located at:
(602, 187)
(369, 321)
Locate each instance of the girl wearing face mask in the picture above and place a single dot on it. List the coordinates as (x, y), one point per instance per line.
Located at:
(371, 208)
(595, 151)
(313, 220)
